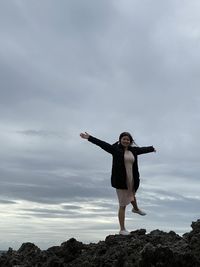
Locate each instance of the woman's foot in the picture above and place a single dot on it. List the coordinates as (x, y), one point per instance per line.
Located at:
(124, 232)
(142, 213)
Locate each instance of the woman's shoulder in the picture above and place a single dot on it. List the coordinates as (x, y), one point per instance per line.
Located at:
(133, 149)
(117, 147)
(116, 144)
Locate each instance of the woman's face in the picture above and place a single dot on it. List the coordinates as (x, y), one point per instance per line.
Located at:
(125, 141)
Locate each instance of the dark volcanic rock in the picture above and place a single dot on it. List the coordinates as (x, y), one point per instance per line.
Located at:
(193, 239)
(156, 249)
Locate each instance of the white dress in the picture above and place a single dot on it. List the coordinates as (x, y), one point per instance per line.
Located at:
(125, 196)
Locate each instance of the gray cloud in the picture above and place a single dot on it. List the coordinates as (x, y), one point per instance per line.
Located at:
(4, 201)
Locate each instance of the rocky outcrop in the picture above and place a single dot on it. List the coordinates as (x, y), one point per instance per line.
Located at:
(155, 249)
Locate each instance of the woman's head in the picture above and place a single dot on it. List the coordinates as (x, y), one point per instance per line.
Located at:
(125, 139)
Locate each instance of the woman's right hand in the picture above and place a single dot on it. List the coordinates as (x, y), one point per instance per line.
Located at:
(84, 135)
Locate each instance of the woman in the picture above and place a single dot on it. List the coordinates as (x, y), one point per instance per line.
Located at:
(125, 173)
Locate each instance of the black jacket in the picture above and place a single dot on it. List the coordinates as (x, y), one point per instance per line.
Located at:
(118, 176)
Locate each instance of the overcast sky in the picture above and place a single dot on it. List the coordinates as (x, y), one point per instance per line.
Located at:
(103, 67)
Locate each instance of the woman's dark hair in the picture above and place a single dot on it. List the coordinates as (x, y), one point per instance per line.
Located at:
(126, 134)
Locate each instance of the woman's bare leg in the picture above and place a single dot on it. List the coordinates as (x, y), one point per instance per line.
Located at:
(135, 207)
(121, 216)
(134, 203)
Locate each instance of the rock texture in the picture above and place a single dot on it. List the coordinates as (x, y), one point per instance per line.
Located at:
(139, 249)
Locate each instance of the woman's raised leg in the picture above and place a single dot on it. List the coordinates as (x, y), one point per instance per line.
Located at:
(135, 207)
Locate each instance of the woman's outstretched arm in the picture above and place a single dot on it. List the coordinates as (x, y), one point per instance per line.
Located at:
(143, 150)
(105, 146)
